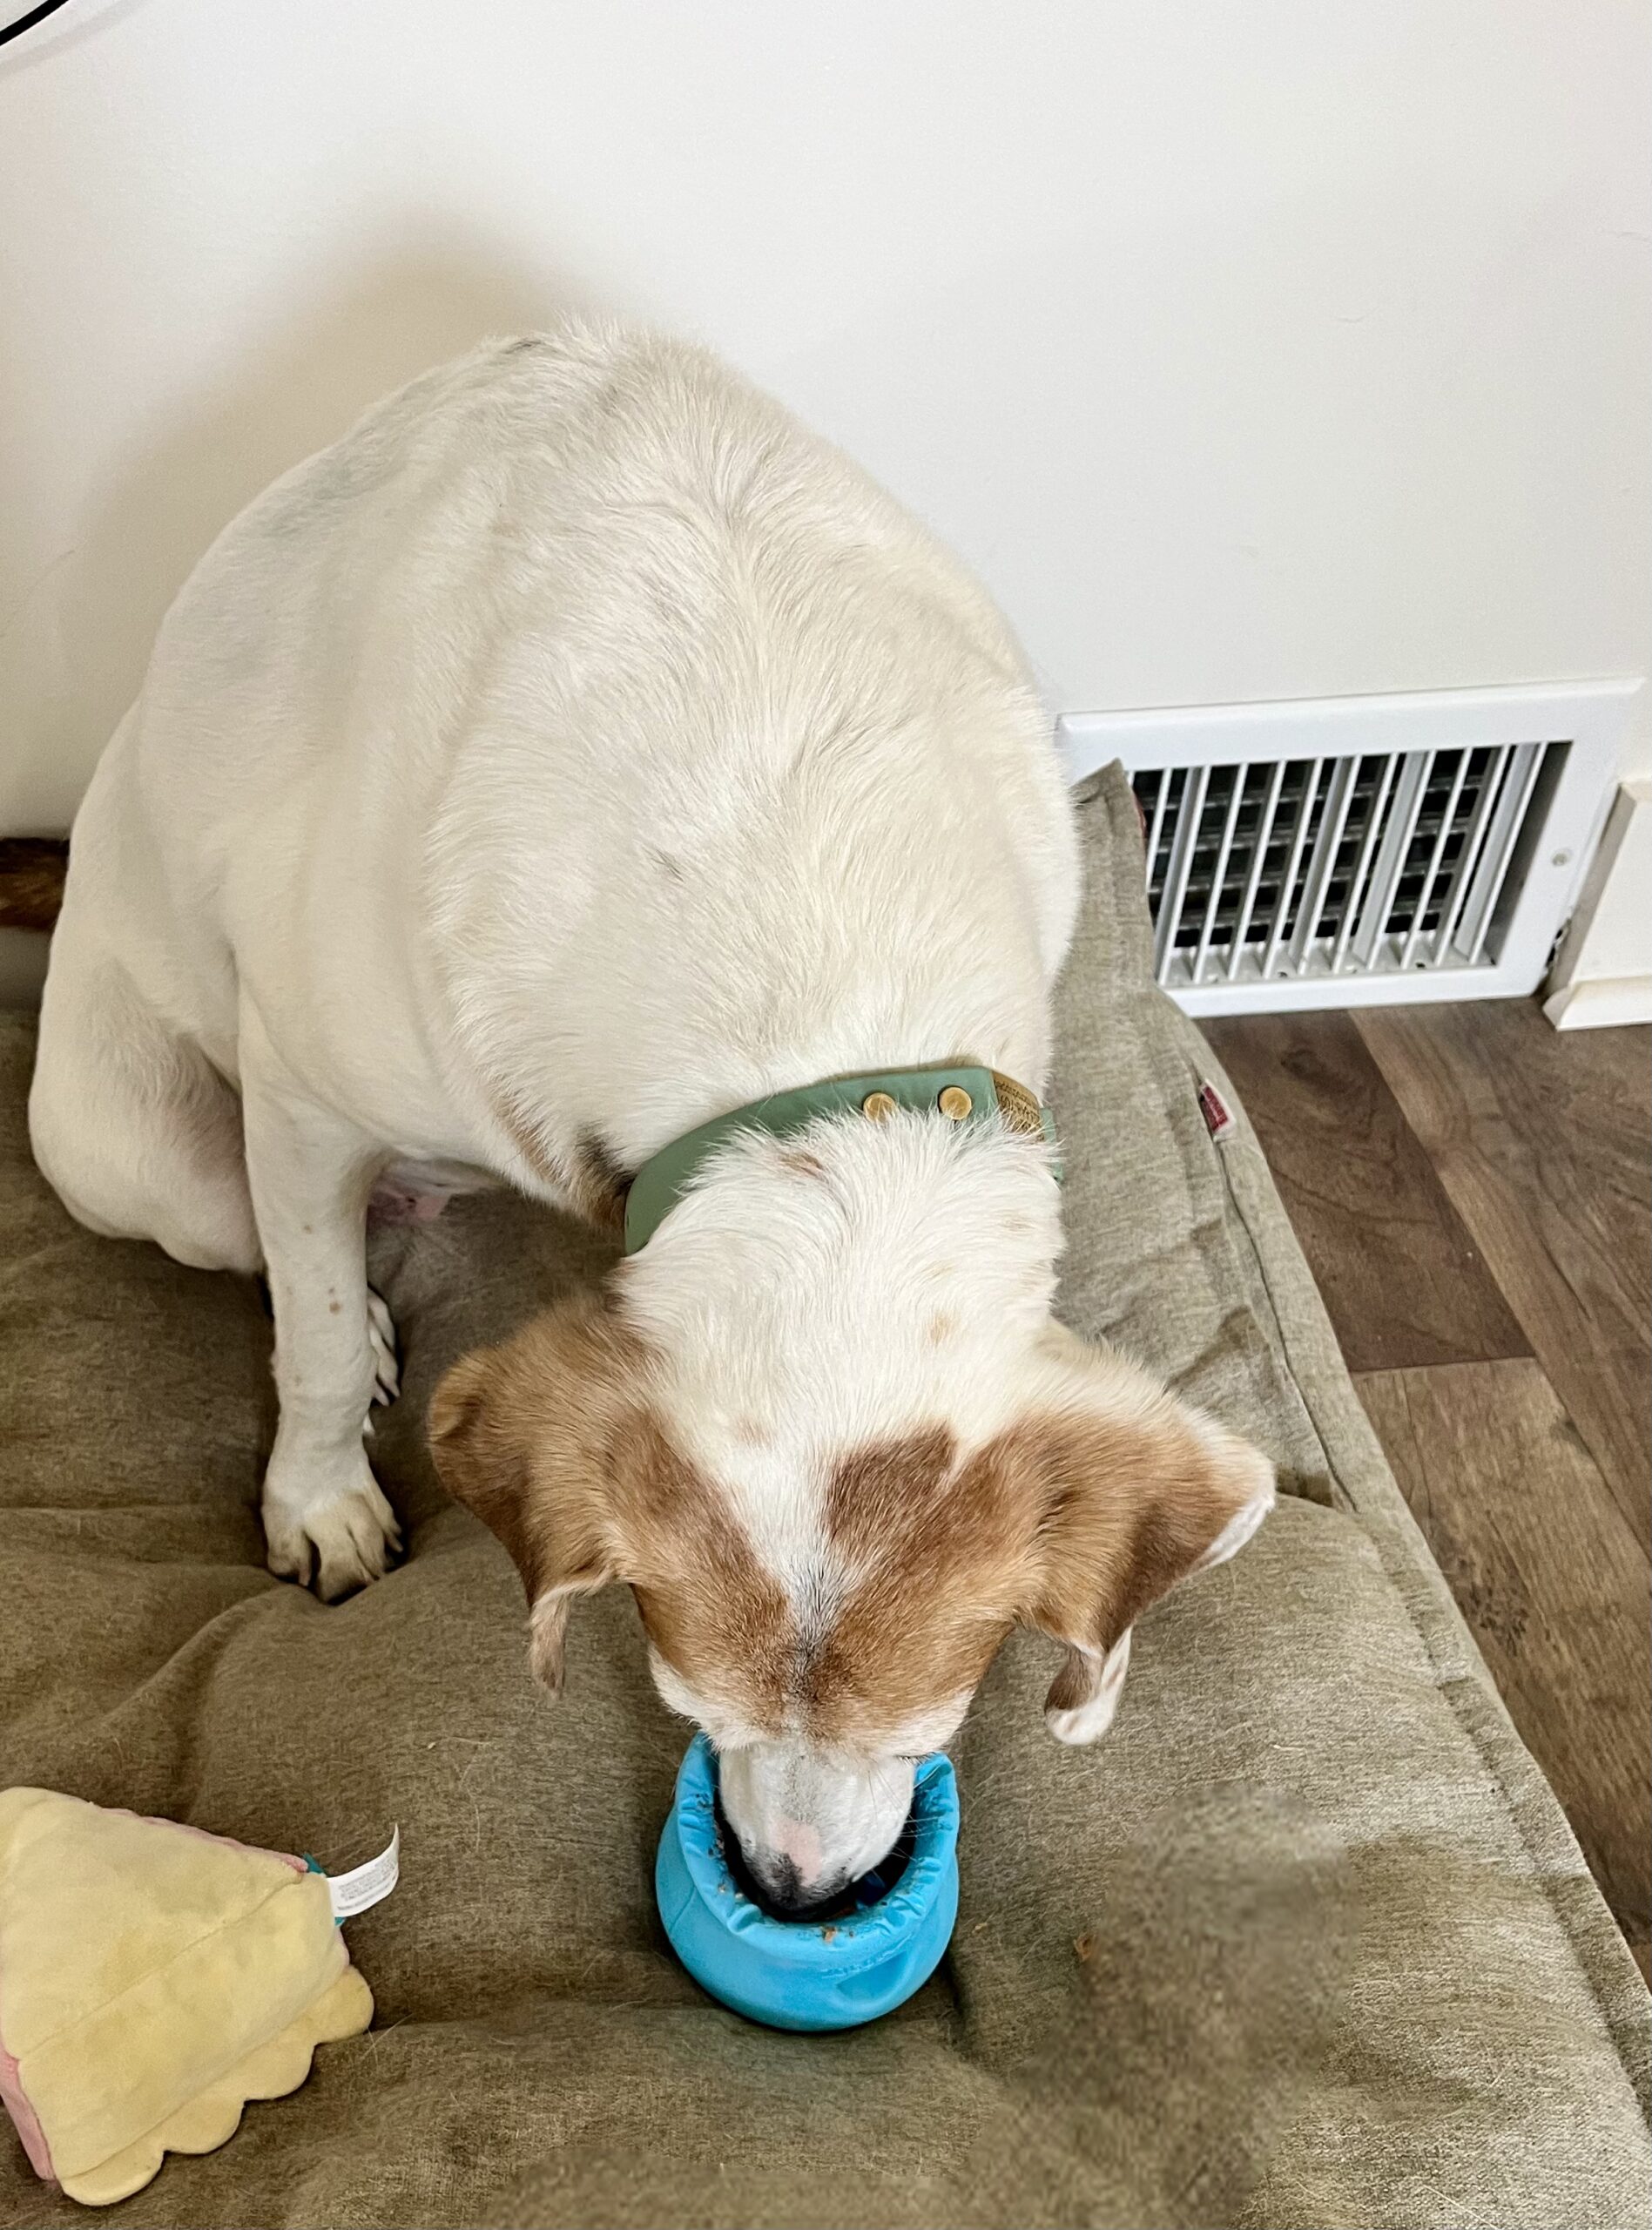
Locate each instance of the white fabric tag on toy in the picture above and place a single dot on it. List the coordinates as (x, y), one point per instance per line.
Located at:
(365, 1885)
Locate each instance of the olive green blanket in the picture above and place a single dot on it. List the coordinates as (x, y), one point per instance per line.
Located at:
(1304, 1941)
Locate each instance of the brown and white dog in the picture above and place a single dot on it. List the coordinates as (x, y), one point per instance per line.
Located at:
(574, 752)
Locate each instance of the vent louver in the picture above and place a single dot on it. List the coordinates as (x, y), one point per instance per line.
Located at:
(1359, 865)
(1362, 849)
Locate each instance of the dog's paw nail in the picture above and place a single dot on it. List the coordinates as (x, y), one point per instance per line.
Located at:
(386, 1370)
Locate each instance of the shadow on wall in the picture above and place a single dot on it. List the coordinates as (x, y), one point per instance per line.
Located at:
(188, 473)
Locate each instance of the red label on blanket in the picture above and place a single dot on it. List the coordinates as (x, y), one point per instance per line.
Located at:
(1218, 1116)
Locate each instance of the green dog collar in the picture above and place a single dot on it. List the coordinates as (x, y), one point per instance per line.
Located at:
(957, 1093)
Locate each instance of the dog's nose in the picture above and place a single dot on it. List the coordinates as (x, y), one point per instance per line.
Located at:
(787, 1891)
(785, 1885)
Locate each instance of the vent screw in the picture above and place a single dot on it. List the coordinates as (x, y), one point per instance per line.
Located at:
(1562, 860)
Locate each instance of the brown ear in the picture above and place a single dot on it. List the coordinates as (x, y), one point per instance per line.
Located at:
(521, 1434)
(1139, 1492)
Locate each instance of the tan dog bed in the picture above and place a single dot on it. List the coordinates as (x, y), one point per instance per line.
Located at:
(1304, 1941)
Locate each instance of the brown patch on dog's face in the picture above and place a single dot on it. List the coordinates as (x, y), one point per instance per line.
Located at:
(1132, 1503)
(1075, 1523)
(1130, 1509)
(717, 1618)
(929, 1601)
(552, 1439)
(936, 1558)
(923, 1566)
(521, 1434)
(555, 1443)
(923, 1561)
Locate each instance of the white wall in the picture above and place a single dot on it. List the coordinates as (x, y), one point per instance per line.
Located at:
(1259, 350)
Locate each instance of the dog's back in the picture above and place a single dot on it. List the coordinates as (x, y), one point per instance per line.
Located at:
(580, 719)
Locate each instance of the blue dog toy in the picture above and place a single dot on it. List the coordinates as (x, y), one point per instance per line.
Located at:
(806, 1973)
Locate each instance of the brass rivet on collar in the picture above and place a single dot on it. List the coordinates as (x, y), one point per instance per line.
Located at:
(956, 1104)
(879, 1106)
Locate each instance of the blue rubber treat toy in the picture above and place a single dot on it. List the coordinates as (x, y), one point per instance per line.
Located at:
(854, 1961)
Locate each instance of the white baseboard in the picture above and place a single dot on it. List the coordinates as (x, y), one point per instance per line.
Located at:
(1600, 1003)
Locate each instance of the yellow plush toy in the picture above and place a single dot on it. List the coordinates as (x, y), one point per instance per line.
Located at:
(153, 1979)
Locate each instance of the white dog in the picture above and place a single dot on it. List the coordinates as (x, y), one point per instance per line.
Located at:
(576, 753)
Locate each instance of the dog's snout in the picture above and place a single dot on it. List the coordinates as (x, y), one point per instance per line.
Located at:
(786, 1884)
(805, 1827)
(786, 1888)
(798, 1845)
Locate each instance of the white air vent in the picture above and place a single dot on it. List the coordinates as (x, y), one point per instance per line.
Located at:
(1363, 849)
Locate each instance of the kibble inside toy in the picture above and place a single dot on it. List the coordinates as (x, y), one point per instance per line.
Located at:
(830, 1972)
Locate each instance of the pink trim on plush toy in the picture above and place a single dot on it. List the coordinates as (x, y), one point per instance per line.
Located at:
(205, 1835)
(13, 2096)
(15, 2099)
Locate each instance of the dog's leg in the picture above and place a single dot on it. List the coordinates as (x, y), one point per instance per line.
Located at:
(139, 1134)
(311, 1173)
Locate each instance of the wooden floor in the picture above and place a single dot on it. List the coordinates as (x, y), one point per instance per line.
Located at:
(1473, 1191)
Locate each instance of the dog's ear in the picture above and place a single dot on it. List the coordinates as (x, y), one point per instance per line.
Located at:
(1137, 1491)
(523, 1435)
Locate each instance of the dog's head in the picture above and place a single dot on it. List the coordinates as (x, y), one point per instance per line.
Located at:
(826, 1430)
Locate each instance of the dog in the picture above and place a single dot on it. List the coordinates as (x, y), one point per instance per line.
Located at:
(577, 754)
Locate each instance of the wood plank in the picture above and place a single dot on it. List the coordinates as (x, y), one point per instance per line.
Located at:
(1554, 1586)
(1543, 1142)
(1403, 1281)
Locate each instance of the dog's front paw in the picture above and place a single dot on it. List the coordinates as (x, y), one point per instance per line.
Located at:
(327, 1524)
